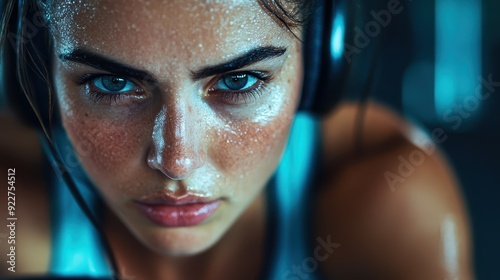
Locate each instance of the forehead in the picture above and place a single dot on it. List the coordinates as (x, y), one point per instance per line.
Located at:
(155, 29)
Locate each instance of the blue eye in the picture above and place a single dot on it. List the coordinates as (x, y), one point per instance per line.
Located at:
(113, 84)
(236, 82)
(240, 88)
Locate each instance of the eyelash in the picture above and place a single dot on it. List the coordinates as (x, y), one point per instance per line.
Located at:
(98, 96)
(236, 97)
(232, 97)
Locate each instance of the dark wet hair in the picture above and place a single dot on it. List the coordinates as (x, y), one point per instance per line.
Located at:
(290, 13)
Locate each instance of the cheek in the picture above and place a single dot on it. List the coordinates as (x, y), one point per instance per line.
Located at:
(102, 144)
(112, 150)
(252, 147)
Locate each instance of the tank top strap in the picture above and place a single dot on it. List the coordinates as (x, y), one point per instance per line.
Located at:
(289, 210)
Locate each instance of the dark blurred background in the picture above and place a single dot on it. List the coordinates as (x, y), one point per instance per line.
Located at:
(431, 56)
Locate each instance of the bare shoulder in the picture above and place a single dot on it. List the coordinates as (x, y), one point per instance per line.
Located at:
(395, 208)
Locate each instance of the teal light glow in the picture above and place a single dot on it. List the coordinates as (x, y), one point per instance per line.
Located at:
(458, 53)
(337, 43)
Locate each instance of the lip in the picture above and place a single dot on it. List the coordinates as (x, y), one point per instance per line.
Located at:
(168, 211)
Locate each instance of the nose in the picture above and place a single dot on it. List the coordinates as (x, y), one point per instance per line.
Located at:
(177, 149)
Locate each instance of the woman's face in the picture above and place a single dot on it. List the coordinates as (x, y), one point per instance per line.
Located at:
(183, 107)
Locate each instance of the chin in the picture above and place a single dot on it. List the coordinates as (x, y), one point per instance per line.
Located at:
(178, 241)
(186, 241)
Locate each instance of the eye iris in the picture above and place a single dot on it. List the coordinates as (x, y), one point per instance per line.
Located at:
(113, 83)
(236, 82)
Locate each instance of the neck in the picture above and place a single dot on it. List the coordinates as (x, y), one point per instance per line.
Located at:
(239, 252)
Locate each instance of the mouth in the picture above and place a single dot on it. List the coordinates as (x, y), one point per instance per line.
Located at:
(169, 211)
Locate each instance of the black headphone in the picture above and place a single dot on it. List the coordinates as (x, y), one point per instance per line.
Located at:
(325, 68)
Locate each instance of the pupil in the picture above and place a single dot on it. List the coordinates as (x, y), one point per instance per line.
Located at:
(236, 82)
(113, 83)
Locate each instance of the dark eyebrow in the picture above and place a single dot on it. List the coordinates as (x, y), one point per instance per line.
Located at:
(248, 58)
(100, 62)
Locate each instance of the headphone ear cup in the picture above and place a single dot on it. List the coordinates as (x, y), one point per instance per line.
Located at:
(311, 53)
(325, 68)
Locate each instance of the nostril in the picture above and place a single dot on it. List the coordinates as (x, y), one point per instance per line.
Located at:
(174, 165)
